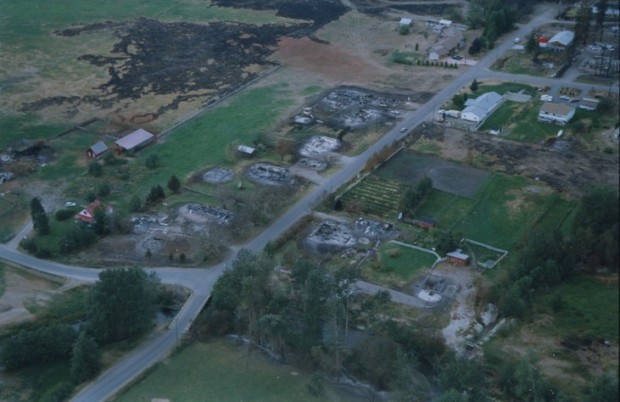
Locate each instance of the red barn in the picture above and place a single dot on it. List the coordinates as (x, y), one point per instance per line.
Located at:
(425, 222)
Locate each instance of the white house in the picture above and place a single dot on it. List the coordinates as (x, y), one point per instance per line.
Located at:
(451, 39)
(561, 40)
(480, 108)
(558, 113)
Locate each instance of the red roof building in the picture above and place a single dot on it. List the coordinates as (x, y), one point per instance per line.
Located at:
(457, 258)
(87, 214)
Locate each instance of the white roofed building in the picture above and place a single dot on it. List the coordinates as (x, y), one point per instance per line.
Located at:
(135, 140)
(480, 108)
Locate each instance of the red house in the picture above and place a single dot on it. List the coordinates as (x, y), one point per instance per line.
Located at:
(97, 150)
(457, 258)
(87, 214)
(425, 222)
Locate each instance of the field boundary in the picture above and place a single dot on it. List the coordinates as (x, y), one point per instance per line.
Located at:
(485, 265)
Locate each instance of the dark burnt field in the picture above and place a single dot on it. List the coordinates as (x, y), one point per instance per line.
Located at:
(203, 62)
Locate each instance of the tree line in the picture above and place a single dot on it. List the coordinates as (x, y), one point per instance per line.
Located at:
(121, 305)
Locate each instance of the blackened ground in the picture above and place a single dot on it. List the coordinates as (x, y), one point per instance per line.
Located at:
(320, 12)
(191, 60)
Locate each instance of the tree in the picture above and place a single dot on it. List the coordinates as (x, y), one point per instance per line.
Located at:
(463, 376)
(458, 101)
(122, 304)
(530, 385)
(582, 25)
(284, 147)
(85, 359)
(152, 161)
(601, 9)
(45, 344)
(155, 195)
(40, 221)
(174, 184)
(101, 224)
(104, 190)
(135, 204)
(474, 85)
(403, 30)
(475, 47)
(447, 242)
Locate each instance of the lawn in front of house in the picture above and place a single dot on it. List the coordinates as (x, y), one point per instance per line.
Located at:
(397, 265)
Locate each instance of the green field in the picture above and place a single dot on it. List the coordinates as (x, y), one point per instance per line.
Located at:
(398, 265)
(520, 122)
(221, 371)
(444, 207)
(507, 208)
(589, 307)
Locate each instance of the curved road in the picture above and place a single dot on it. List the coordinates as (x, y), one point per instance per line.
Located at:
(200, 281)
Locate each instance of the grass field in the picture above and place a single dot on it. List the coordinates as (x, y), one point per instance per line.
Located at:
(507, 207)
(590, 307)
(397, 265)
(35, 63)
(520, 122)
(221, 371)
(503, 88)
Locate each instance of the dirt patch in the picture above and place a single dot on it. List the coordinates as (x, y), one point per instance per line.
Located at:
(569, 171)
(23, 288)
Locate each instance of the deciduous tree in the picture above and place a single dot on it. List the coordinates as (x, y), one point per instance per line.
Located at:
(122, 304)
(85, 359)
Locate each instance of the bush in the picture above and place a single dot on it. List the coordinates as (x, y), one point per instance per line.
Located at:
(95, 169)
(104, 190)
(64, 214)
(152, 161)
(41, 345)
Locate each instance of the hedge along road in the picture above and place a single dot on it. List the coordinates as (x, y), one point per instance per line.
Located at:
(201, 281)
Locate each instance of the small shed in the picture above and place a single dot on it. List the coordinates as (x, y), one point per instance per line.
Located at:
(446, 23)
(96, 150)
(246, 150)
(458, 258)
(405, 22)
(588, 104)
(425, 222)
(135, 140)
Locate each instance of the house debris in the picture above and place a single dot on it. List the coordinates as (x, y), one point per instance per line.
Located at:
(6, 176)
(312, 164)
(271, 175)
(218, 175)
(319, 145)
(207, 213)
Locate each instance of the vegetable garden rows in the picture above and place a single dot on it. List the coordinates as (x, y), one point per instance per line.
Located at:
(380, 197)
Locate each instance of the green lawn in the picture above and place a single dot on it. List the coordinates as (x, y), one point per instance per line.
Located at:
(503, 88)
(520, 122)
(446, 208)
(220, 371)
(506, 210)
(397, 265)
(590, 307)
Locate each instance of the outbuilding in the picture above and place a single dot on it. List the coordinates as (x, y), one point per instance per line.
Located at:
(134, 141)
(96, 150)
(405, 22)
(588, 104)
(424, 222)
(246, 150)
(458, 258)
(558, 113)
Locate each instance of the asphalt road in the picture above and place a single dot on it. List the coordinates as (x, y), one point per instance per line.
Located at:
(200, 281)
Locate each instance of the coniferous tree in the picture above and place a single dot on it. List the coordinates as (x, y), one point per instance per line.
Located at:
(39, 218)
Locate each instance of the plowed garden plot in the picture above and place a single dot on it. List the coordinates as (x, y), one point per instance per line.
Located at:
(374, 196)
